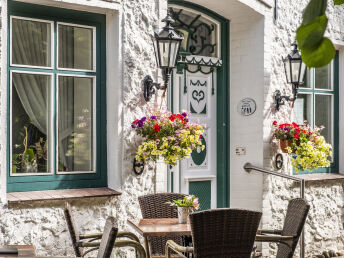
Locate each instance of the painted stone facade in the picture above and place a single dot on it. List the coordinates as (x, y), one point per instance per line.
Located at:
(324, 228)
(43, 223)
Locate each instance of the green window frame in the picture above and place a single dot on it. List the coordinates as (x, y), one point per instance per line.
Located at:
(317, 90)
(57, 179)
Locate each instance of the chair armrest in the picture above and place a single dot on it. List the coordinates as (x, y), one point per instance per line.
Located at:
(88, 236)
(173, 246)
(275, 239)
(119, 243)
(129, 235)
(138, 247)
(269, 231)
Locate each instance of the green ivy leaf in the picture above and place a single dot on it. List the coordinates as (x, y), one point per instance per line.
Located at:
(338, 2)
(314, 9)
(310, 35)
(320, 56)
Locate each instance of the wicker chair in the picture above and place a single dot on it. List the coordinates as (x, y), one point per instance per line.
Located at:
(289, 236)
(154, 206)
(217, 233)
(108, 239)
(91, 241)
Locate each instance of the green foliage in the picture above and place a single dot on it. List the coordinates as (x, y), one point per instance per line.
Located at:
(316, 50)
(189, 201)
(320, 56)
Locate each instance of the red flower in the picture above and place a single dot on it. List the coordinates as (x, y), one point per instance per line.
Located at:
(135, 122)
(156, 128)
(172, 117)
(296, 136)
(274, 123)
(295, 125)
(297, 130)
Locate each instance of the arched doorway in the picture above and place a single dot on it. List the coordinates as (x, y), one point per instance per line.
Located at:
(200, 84)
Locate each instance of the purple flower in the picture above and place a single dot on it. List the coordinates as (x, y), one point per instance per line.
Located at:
(133, 126)
(186, 120)
(140, 123)
(143, 119)
(184, 114)
(153, 117)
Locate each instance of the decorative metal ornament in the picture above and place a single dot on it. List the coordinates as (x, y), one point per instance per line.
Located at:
(138, 167)
(246, 107)
(279, 161)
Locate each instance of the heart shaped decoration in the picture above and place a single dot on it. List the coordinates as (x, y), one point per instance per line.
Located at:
(198, 95)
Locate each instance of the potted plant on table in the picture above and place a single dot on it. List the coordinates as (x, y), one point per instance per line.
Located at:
(307, 147)
(171, 137)
(185, 206)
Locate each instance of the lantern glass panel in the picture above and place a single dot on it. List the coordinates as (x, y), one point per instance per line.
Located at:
(295, 70)
(303, 72)
(155, 44)
(174, 53)
(287, 70)
(164, 47)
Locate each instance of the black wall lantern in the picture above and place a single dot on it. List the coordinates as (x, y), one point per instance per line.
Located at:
(166, 48)
(295, 70)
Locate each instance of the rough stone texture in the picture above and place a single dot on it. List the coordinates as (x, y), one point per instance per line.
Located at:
(43, 224)
(324, 229)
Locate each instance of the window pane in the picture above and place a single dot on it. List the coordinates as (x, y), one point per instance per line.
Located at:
(75, 124)
(303, 108)
(75, 47)
(31, 43)
(323, 114)
(307, 79)
(30, 126)
(323, 77)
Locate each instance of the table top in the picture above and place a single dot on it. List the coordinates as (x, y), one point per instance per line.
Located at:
(161, 227)
(23, 251)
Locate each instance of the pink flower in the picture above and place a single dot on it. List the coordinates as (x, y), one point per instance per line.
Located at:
(195, 202)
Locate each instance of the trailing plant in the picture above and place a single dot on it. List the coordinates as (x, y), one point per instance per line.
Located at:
(168, 136)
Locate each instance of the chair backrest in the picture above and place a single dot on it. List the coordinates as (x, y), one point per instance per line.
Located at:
(293, 224)
(224, 232)
(154, 206)
(108, 239)
(74, 235)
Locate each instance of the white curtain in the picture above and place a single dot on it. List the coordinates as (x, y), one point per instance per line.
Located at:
(29, 42)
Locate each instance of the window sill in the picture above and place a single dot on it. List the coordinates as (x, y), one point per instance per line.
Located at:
(20, 197)
(321, 177)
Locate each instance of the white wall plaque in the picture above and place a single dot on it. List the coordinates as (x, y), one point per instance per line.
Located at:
(246, 107)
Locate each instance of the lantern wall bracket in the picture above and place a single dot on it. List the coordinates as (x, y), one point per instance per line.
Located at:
(280, 99)
(150, 87)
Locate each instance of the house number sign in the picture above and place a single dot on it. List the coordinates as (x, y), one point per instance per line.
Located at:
(246, 107)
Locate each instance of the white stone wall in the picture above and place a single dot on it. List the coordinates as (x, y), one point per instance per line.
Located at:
(324, 229)
(129, 27)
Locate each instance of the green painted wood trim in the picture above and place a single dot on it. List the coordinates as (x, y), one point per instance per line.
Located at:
(334, 168)
(222, 96)
(47, 182)
(202, 190)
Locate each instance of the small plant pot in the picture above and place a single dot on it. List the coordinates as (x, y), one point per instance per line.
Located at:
(284, 144)
(183, 214)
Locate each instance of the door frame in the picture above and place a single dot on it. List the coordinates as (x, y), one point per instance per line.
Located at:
(222, 105)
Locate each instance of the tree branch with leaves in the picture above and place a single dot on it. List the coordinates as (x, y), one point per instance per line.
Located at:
(316, 49)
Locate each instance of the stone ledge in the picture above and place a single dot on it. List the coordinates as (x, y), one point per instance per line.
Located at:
(49, 195)
(321, 177)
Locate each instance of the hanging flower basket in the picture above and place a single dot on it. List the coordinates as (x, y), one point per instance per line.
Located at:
(304, 144)
(168, 136)
(284, 144)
